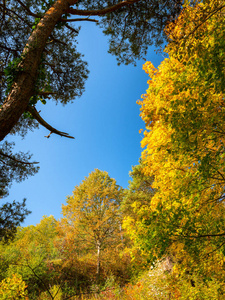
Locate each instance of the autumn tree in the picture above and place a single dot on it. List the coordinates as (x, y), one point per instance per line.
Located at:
(92, 218)
(183, 143)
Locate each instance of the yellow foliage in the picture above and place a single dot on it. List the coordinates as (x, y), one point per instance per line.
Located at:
(13, 288)
(184, 149)
(185, 119)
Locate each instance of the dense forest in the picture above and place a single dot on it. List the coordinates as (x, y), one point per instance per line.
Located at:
(164, 236)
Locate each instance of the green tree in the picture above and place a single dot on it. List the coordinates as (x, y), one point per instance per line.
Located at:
(11, 216)
(92, 216)
(13, 167)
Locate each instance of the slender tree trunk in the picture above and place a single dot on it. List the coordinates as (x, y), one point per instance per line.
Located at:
(121, 233)
(23, 87)
(98, 260)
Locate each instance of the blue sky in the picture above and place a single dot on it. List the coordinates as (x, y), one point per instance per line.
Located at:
(105, 122)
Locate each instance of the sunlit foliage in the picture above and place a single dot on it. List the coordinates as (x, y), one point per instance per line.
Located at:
(13, 288)
(183, 110)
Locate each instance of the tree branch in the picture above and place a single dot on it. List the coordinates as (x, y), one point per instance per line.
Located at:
(40, 120)
(11, 11)
(28, 10)
(17, 160)
(100, 12)
(39, 278)
(46, 94)
(53, 39)
(4, 8)
(9, 49)
(203, 235)
(216, 10)
(209, 253)
(78, 20)
(52, 66)
(71, 28)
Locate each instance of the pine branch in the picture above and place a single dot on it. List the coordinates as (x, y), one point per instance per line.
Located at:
(100, 12)
(78, 20)
(17, 160)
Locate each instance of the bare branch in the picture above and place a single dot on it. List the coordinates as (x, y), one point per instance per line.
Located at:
(100, 12)
(40, 120)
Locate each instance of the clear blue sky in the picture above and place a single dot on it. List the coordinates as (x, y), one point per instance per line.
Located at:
(105, 122)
